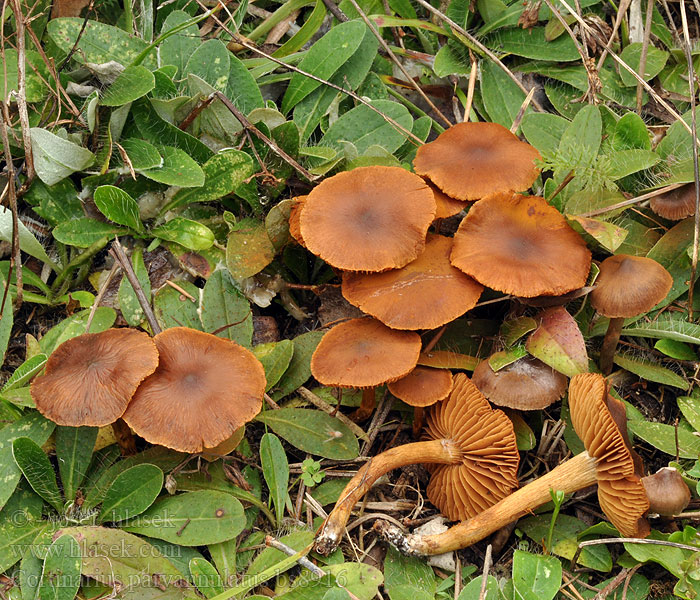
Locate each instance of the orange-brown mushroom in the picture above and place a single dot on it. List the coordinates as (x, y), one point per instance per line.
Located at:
(90, 379)
(526, 384)
(364, 353)
(606, 461)
(522, 246)
(204, 389)
(446, 206)
(473, 452)
(294, 220)
(425, 294)
(472, 160)
(676, 204)
(667, 492)
(368, 219)
(627, 286)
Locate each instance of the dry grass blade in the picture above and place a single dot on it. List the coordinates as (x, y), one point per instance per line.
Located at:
(631, 201)
(645, 51)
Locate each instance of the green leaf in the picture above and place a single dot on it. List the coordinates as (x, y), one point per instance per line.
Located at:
(142, 155)
(531, 43)
(174, 309)
(128, 301)
(192, 519)
(544, 131)
(651, 371)
(671, 252)
(580, 142)
(306, 32)
(27, 242)
(131, 492)
(323, 59)
(558, 342)
(224, 306)
(25, 372)
(177, 169)
(118, 206)
(74, 447)
(190, 234)
(299, 369)
(275, 358)
(30, 575)
(313, 432)
(632, 54)
(85, 232)
(60, 578)
(675, 349)
(631, 132)
(524, 436)
(210, 61)
(502, 97)
(275, 468)
(663, 437)
(6, 321)
(361, 580)
(35, 69)
(608, 235)
(56, 158)
(404, 575)
(38, 470)
(75, 325)
(16, 540)
(223, 173)
(626, 162)
(131, 84)
(177, 48)
(535, 577)
(205, 577)
(241, 87)
(269, 557)
(96, 42)
(364, 128)
(690, 407)
(248, 249)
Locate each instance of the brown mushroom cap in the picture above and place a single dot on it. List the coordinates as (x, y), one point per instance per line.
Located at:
(204, 389)
(520, 245)
(676, 204)
(91, 378)
(667, 492)
(423, 386)
(472, 160)
(620, 490)
(526, 384)
(425, 294)
(488, 470)
(628, 286)
(364, 353)
(446, 206)
(368, 219)
(294, 219)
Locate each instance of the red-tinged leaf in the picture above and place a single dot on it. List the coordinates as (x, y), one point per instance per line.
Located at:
(606, 234)
(558, 342)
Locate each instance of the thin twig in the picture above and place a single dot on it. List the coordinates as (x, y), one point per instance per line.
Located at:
(271, 403)
(485, 574)
(335, 11)
(77, 39)
(117, 251)
(621, 10)
(303, 561)
(582, 545)
(521, 112)
(631, 201)
(616, 581)
(696, 173)
(472, 84)
(309, 396)
(100, 295)
(22, 92)
(645, 51)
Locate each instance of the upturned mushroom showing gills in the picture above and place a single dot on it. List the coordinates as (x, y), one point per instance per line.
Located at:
(203, 390)
(472, 160)
(627, 286)
(364, 353)
(473, 452)
(90, 379)
(368, 219)
(607, 461)
(531, 249)
(425, 294)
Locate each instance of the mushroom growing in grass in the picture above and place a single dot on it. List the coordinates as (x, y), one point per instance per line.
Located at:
(525, 384)
(667, 492)
(473, 452)
(676, 204)
(425, 294)
(472, 160)
(627, 286)
(90, 379)
(607, 461)
(520, 245)
(368, 219)
(204, 389)
(364, 353)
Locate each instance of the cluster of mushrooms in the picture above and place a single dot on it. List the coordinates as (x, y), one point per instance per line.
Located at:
(184, 389)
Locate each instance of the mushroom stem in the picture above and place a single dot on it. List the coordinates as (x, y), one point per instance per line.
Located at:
(434, 451)
(125, 438)
(418, 420)
(574, 474)
(366, 407)
(607, 350)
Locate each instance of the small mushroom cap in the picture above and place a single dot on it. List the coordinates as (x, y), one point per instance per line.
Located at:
(425, 294)
(620, 490)
(667, 492)
(488, 471)
(368, 219)
(628, 286)
(472, 160)
(364, 353)
(294, 220)
(676, 204)
(532, 251)
(526, 384)
(204, 389)
(423, 386)
(91, 378)
(446, 206)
